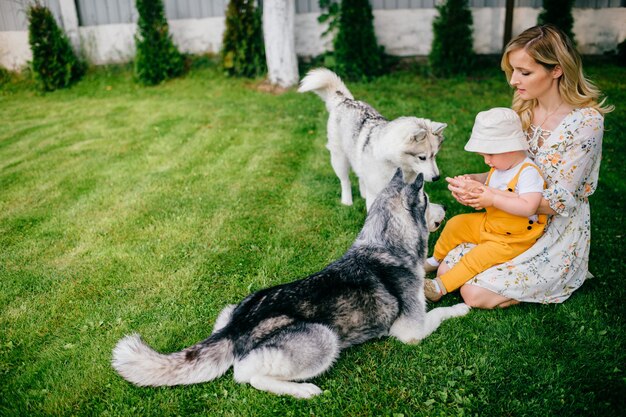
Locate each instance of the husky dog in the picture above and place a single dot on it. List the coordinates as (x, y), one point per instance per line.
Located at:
(359, 137)
(295, 331)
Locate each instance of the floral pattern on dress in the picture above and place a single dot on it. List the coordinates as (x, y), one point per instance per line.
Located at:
(557, 264)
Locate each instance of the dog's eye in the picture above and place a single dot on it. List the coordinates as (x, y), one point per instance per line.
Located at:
(422, 158)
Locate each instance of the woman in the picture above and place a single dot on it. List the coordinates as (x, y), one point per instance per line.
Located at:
(563, 119)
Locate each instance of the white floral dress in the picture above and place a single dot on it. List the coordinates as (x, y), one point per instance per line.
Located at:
(557, 264)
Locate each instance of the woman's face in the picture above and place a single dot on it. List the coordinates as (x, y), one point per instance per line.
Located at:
(531, 79)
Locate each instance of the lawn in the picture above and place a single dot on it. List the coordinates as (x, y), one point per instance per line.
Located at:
(130, 209)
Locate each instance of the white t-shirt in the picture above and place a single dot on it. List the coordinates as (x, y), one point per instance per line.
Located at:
(529, 180)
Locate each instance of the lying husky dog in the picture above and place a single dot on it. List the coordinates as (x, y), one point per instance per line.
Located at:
(359, 137)
(295, 331)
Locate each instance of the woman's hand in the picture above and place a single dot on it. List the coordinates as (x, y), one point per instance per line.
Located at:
(544, 208)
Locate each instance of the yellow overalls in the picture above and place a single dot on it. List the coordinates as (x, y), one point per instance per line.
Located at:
(498, 235)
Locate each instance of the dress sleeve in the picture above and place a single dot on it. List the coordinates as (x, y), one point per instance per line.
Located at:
(573, 161)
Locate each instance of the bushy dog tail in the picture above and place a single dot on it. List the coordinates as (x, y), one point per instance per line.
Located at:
(324, 83)
(138, 363)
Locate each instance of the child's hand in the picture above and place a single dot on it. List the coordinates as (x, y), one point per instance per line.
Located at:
(461, 186)
(481, 197)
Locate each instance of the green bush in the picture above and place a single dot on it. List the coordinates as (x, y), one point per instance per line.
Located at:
(54, 63)
(157, 57)
(452, 50)
(558, 13)
(243, 50)
(5, 76)
(357, 54)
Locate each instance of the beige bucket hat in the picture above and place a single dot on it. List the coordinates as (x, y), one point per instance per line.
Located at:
(498, 130)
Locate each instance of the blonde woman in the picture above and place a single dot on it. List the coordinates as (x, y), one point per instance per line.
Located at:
(563, 118)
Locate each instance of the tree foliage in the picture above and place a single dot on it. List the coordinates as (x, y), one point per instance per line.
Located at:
(54, 65)
(558, 13)
(357, 54)
(452, 49)
(243, 50)
(157, 57)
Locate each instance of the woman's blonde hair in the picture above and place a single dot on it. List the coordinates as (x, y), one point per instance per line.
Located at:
(550, 47)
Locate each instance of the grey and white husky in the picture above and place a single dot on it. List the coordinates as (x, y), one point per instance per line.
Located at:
(361, 139)
(295, 331)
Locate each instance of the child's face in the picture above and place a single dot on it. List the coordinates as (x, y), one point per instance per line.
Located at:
(503, 161)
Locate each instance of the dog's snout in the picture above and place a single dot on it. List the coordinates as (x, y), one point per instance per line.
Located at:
(444, 208)
(437, 224)
(435, 178)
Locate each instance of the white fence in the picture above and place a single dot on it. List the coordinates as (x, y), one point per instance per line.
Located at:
(104, 12)
(103, 30)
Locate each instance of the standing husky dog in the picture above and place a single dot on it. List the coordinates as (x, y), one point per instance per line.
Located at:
(359, 137)
(295, 331)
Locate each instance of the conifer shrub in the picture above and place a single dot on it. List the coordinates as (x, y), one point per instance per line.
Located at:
(54, 64)
(157, 57)
(356, 54)
(452, 51)
(5, 76)
(329, 14)
(243, 50)
(559, 14)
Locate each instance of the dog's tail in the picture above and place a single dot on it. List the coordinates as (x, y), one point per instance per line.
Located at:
(138, 363)
(324, 83)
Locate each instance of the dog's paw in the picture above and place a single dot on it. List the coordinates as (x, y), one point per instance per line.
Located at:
(460, 310)
(306, 391)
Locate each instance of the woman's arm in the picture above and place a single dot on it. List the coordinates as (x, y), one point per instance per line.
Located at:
(481, 177)
(571, 166)
(544, 207)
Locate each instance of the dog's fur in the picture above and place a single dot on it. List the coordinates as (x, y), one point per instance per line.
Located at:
(361, 139)
(295, 331)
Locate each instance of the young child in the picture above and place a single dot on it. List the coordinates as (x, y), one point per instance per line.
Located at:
(511, 195)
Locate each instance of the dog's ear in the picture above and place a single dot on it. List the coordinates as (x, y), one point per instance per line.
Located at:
(438, 127)
(397, 178)
(413, 190)
(419, 134)
(419, 182)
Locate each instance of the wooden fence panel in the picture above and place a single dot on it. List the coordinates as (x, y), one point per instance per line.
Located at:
(194, 9)
(13, 14)
(102, 12)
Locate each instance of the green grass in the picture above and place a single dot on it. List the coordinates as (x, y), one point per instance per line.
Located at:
(129, 209)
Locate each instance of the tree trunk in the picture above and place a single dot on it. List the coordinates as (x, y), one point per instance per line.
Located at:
(280, 51)
(69, 19)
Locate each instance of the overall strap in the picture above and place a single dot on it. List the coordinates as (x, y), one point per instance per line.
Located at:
(513, 183)
(542, 218)
(489, 176)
